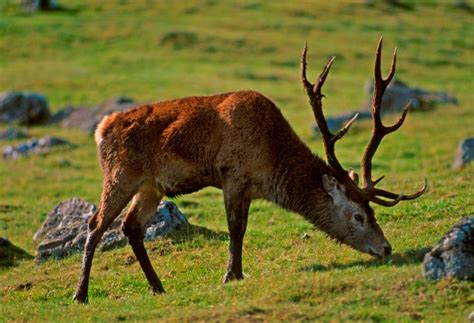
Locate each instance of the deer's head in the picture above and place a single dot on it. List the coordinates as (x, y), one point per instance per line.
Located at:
(353, 219)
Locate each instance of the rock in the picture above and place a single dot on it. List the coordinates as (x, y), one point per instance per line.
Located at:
(34, 146)
(35, 5)
(64, 230)
(24, 108)
(9, 253)
(464, 154)
(168, 218)
(453, 256)
(396, 96)
(12, 133)
(87, 118)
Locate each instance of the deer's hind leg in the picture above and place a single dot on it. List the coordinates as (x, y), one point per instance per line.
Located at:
(143, 208)
(116, 194)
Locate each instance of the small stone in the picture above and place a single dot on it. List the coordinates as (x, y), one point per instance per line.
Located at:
(464, 153)
(34, 146)
(12, 133)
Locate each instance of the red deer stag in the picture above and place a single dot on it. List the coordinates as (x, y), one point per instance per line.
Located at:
(239, 142)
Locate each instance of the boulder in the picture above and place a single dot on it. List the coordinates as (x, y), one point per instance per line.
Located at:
(398, 94)
(453, 256)
(87, 118)
(10, 253)
(395, 98)
(12, 133)
(464, 154)
(25, 108)
(34, 146)
(64, 230)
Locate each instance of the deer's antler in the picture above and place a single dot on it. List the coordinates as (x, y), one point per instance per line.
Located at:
(315, 98)
(379, 131)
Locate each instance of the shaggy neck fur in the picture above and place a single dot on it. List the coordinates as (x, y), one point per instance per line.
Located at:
(297, 186)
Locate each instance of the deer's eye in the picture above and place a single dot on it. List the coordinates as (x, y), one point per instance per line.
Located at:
(359, 217)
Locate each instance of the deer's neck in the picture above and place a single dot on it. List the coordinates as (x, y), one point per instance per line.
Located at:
(297, 186)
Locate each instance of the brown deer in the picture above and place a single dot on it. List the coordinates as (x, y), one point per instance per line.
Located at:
(239, 142)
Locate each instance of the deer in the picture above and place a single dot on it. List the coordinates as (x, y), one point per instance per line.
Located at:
(241, 143)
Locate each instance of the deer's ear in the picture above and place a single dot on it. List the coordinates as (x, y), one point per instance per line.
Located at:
(354, 176)
(331, 186)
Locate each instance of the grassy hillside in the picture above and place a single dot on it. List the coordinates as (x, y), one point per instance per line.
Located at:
(154, 50)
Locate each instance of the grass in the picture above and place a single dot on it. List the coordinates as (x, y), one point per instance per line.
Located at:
(91, 51)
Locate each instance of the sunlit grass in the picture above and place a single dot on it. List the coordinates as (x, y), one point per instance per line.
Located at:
(94, 50)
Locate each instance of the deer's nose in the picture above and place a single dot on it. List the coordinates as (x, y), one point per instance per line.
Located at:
(387, 250)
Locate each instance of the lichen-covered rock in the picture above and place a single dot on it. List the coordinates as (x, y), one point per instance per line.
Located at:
(464, 154)
(34, 146)
(86, 118)
(24, 108)
(64, 230)
(453, 256)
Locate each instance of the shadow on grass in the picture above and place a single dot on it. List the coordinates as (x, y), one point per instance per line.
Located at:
(194, 232)
(10, 254)
(407, 257)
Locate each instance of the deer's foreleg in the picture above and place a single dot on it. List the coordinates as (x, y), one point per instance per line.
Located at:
(237, 205)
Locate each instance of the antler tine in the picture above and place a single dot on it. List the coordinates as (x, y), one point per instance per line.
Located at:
(345, 129)
(400, 121)
(382, 202)
(323, 75)
(306, 84)
(384, 193)
(315, 99)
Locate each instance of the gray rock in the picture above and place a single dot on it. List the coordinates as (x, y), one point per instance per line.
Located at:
(35, 5)
(464, 154)
(87, 119)
(34, 146)
(396, 96)
(24, 108)
(10, 254)
(453, 256)
(64, 230)
(168, 218)
(12, 133)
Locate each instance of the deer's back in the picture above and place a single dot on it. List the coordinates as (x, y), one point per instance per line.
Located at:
(193, 142)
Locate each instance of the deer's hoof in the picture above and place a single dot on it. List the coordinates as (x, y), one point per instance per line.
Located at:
(158, 290)
(230, 276)
(80, 298)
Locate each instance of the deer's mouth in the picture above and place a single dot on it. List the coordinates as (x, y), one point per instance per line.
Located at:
(374, 254)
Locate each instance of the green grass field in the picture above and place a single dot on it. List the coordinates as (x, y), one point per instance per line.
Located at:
(94, 50)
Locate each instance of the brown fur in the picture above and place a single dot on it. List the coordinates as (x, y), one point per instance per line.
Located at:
(239, 142)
